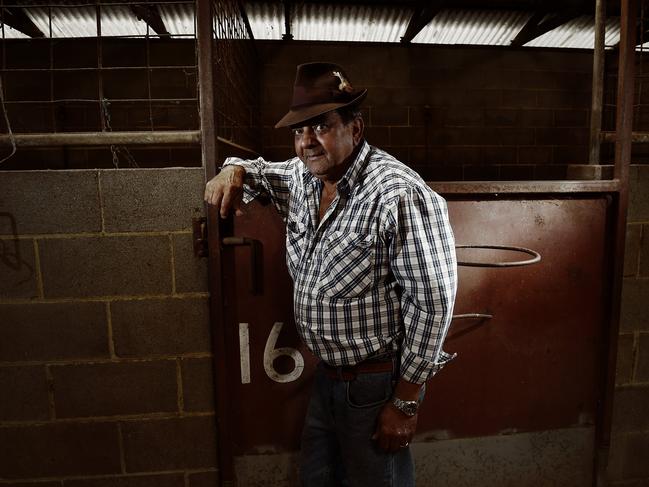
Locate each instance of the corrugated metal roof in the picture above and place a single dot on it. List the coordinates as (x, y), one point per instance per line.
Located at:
(321, 21)
(116, 21)
(579, 33)
(459, 26)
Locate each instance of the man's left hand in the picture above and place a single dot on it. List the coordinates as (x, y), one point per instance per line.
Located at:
(394, 430)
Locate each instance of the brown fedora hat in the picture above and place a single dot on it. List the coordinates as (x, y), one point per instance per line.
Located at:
(319, 88)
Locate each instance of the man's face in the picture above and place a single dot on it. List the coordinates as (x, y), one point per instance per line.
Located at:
(325, 144)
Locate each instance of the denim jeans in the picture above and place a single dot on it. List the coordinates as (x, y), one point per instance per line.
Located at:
(337, 446)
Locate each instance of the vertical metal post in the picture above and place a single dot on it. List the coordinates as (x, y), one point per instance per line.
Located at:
(210, 158)
(624, 122)
(598, 82)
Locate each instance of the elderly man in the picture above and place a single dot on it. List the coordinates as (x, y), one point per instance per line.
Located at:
(371, 254)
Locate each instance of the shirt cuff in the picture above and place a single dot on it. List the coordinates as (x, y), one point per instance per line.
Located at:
(418, 370)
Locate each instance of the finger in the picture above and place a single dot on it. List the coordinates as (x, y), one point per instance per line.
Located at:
(231, 200)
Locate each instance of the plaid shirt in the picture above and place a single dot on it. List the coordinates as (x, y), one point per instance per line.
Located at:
(378, 273)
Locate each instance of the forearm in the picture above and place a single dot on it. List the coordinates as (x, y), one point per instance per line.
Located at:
(407, 391)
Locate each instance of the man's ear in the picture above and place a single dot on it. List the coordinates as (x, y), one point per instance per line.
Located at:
(358, 126)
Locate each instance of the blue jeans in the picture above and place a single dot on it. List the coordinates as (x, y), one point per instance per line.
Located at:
(337, 446)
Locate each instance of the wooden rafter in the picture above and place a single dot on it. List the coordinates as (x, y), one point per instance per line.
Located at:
(287, 35)
(151, 15)
(16, 18)
(542, 22)
(424, 12)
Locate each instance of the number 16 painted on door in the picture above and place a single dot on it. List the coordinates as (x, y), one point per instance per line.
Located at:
(270, 354)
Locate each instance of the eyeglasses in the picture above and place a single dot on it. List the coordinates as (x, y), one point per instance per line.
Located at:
(319, 129)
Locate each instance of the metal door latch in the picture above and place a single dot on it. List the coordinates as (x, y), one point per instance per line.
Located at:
(199, 233)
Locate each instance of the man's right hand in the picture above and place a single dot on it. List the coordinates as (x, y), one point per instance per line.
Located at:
(225, 190)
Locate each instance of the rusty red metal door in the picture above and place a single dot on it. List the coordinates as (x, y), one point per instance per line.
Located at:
(535, 365)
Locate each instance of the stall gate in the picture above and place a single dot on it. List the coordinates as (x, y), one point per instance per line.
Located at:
(518, 406)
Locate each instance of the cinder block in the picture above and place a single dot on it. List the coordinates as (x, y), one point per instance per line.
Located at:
(624, 367)
(630, 409)
(170, 444)
(198, 384)
(548, 172)
(115, 389)
(499, 155)
(534, 155)
(377, 135)
(190, 271)
(72, 202)
(105, 266)
(516, 172)
(638, 194)
(203, 479)
(160, 326)
(151, 199)
(562, 136)
(163, 480)
(461, 116)
(24, 393)
(536, 118)
(58, 449)
(18, 278)
(389, 115)
(502, 117)
(628, 457)
(633, 315)
(562, 99)
(400, 136)
(519, 99)
(632, 249)
(53, 331)
(571, 118)
(642, 371)
(570, 154)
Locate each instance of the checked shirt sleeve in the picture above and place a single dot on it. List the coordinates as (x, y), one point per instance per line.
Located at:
(269, 178)
(422, 259)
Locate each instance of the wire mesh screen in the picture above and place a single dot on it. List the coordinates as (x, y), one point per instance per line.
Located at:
(236, 75)
(97, 66)
(640, 151)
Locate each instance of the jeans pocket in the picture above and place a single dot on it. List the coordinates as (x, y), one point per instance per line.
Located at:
(369, 390)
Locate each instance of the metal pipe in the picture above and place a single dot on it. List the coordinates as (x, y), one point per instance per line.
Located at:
(524, 187)
(598, 82)
(624, 126)
(104, 138)
(639, 137)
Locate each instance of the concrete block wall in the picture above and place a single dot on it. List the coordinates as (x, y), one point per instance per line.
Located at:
(105, 349)
(630, 433)
(452, 113)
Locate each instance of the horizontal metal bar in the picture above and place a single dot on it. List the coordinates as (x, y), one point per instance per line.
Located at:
(110, 100)
(639, 137)
(57, 139)
(103, 68)
(522, 187)
(536, 257)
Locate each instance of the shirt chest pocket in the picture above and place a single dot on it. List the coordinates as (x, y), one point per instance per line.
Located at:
(348, 265)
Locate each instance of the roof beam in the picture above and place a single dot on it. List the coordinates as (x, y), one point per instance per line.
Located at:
(16, 18)
(151, 15)
(287, 35)
(536, 26)
(421, 17)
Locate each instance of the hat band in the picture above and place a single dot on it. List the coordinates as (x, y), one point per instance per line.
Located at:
(305, 97)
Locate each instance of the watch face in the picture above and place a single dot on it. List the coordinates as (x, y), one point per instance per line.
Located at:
(410, 408)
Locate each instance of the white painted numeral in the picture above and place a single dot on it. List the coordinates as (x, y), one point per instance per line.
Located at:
(244, 352)
(271, 353)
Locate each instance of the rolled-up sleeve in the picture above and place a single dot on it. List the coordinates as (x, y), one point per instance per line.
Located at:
(269, 178)
(423, 262)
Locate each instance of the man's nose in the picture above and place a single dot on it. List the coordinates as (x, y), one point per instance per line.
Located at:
(308, 138)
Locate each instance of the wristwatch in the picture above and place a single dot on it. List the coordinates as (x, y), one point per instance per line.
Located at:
(409, 408)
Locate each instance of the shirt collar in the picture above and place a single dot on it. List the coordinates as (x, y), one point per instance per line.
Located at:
(350, 178)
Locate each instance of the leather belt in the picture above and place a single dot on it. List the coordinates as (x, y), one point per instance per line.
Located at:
(349, 372)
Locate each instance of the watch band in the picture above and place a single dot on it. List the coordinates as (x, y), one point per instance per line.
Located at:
(409, 408)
